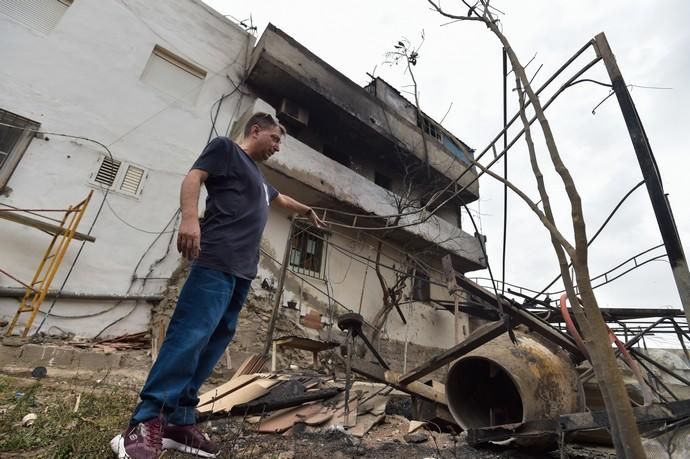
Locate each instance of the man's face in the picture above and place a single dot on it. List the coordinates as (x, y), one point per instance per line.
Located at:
(267, 141)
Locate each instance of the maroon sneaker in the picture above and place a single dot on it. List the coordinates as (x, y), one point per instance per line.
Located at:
(142, 441)
(188, 439)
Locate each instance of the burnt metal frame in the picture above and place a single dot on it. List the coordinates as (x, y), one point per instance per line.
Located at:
(651, 416)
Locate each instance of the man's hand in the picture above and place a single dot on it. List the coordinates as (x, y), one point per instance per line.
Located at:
(291, 205)
(189, 238)
(315, 220)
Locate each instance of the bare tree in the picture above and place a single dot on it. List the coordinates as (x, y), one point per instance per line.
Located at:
(418, 190)
(624, 430)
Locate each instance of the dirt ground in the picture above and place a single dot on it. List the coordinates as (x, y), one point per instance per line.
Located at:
(75, 419)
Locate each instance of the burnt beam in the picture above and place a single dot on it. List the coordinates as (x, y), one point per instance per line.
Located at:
(477, 338)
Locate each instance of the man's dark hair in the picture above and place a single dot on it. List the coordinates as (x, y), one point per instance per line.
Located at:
(264, 121)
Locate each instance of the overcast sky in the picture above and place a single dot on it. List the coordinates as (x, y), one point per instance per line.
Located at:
(460, 63)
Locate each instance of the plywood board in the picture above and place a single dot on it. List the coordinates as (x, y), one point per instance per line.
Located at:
(224, 389)
(242, 395)
(365, 423)
(339, 415)
(414, 425)
(281, 422)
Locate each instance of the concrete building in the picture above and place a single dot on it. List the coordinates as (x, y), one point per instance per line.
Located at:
(139, 87)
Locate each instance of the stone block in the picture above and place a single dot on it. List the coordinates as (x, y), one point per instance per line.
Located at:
(9, 355)
(98, 361)
(33, 355)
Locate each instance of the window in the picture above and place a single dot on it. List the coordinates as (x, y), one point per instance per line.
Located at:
(308, 253)
(39, 15)
(173, 75)
(16, 133)
(337, 155)
(429, 126)
(421, 289)
(119, 176)
(383, 180)
(455, 149)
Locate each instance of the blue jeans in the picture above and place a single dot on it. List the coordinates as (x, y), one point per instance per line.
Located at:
(200, 329)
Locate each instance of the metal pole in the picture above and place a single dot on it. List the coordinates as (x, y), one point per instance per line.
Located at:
(279, 292)
(650, 172)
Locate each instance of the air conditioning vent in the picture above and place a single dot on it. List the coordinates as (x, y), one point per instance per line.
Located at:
(108, 171)
(132, 179)
(292, 112)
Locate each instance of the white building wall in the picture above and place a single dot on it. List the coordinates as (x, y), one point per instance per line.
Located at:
(345, 280)
(83, 78)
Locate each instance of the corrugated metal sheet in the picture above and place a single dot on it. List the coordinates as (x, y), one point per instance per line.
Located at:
(40, 15)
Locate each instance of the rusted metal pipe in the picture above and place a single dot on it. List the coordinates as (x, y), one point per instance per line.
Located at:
(502, 383)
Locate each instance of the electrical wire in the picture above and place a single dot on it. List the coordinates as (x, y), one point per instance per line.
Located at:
(134, 276)
(104, 201)
(505, 168)
(314, 286)
(596, 234)
(126, 223)
(504, 317)
(428, 214)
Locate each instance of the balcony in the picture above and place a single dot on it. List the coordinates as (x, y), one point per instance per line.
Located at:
(282, 68)
(346, 189)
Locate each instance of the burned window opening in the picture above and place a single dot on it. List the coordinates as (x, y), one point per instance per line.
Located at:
(383, 180)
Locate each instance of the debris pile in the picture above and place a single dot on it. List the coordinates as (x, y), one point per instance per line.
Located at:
(297, 402)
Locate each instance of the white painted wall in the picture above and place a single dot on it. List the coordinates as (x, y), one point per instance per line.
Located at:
(346, 278)
(83, 78)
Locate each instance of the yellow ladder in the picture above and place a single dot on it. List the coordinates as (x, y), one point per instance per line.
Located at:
(38, 288)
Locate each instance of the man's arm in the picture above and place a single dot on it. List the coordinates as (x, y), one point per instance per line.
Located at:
(292, 205)
(189, 236)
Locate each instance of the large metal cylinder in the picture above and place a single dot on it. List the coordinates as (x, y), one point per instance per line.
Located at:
(504, 383)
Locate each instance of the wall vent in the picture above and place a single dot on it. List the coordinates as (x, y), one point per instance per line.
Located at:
(107, 172)
(132, 179)
(119, 176)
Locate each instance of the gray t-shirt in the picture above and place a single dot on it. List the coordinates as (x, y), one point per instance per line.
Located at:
(236, 209)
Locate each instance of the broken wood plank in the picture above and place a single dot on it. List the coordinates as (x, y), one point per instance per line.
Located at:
(254, 407)
(282, 421)
(251, 364)
(522, 316)
(319, 418)
(340, 418)
(479, 337)
(377, 373)
(414, 425)
(243, 395)
(43, 226)
(224, 389)
(374, 405)
(365, 424)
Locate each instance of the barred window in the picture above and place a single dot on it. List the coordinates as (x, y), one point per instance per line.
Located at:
(308, 252)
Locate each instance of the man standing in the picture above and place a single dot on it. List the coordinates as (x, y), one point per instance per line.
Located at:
(225, 254)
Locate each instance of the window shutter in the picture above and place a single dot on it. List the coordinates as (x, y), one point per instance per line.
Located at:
(40, 15)
(132, 179)
(108, 171)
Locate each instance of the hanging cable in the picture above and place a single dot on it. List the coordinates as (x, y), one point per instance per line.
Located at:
(504, 317)
(601, 228)
(505, 168)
